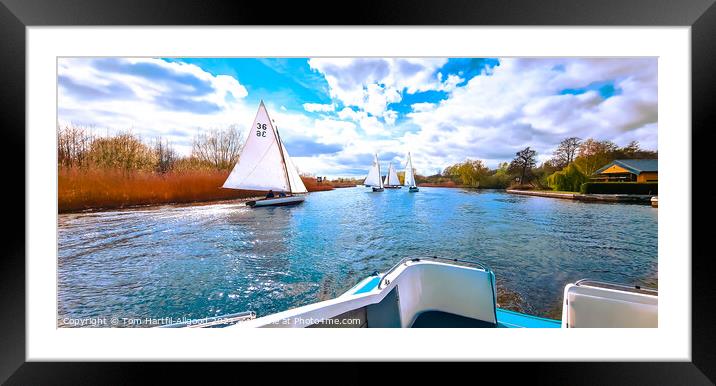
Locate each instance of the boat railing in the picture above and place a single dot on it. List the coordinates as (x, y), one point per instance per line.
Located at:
(629, 288)
(406, 260)
(214, 321)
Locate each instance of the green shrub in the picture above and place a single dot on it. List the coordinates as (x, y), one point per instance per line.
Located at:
(569, 179)
(620, 188)
(495, 181)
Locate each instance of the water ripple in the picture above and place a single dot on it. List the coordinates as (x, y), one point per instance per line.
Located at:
(204, 260)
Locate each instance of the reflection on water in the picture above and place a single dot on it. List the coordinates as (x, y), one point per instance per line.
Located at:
(206, 260)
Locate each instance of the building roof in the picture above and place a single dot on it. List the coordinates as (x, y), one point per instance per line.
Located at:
(636, 166)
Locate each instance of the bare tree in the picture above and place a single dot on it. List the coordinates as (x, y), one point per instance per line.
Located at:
(634, 151)
(165, 154)
(566, 152)
(219, 147)
(73, 145)
(524, 162)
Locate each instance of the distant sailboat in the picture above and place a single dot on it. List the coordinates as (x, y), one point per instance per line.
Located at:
(410, 176)
(391, 179)
(264, 164)
(373, 178)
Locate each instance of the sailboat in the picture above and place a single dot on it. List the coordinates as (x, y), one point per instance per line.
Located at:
(264, 164)
(410, 176)
(391, 179)
(373, 178)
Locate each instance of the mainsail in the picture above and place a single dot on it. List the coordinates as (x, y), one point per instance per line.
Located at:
(264, 163)
(373, 178)
(409, 176)
(391, 179)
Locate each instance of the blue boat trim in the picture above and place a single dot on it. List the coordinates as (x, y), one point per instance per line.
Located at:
(372, 283)
(512, 319)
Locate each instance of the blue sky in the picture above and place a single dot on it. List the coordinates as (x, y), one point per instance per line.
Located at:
(333, 113)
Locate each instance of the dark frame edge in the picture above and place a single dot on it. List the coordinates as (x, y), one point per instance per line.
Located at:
(12, 263)
(370, 12)
(703, 118)
(702, 369)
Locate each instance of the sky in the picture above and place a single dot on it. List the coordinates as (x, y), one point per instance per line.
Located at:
(334, 113)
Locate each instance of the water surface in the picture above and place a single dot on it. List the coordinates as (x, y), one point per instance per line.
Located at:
(205, 260)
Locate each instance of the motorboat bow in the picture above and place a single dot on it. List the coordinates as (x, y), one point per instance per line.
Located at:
(434, 292)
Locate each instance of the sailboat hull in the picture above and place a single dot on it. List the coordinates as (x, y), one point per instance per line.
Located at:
(413, 189)
(393, 187)
(377, 189)
(276, 201)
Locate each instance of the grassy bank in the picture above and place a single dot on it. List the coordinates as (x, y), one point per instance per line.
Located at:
(343, 184)
(450, 184)
(79, 189)
(446, 184)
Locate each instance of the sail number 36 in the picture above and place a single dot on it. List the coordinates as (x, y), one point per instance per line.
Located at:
(260, 129)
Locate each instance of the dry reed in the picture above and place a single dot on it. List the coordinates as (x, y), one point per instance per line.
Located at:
(83, 189)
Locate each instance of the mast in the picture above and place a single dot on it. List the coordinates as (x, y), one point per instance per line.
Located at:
(409, 172)
(412, 171)
(387, 174)
(380, 178)
(283, 158)
(280, 147)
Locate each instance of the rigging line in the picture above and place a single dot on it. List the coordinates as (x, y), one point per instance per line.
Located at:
(283, 158)
(380, 178)
(280, 148)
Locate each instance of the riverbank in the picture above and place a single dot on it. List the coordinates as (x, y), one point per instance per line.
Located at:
(624, 198)
(81, 190)
(448, 184)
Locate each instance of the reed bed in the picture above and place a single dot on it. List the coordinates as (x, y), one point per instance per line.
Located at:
(122, 170)
(312, 184)
(82, 189)
(79, 190)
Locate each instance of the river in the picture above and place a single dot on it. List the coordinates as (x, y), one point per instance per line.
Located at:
(195, 261)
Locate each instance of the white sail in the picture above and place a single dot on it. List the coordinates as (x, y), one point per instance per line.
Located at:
(264, 163)
(391, 179)
(373, 178)
(380, 180)
(297, 185)
(409, 176)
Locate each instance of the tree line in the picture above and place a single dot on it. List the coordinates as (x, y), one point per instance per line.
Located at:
(79, 148)
(571, 164)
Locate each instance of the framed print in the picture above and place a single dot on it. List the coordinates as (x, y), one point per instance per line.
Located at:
(451, 182)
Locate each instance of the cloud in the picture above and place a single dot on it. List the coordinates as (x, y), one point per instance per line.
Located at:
(390, 116)
(189, 105)
(348, 113)
(369, 85)
(441, 110)
(109, 90)
(520, 104)
(318, 107)
(423, 106)
(159, 72)
(152, 97)
(307, 148)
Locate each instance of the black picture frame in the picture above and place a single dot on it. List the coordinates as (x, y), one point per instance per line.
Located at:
(700, 15)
